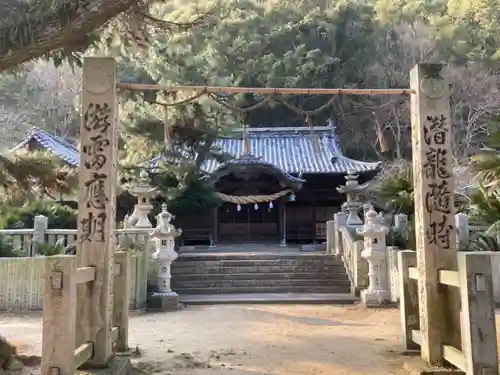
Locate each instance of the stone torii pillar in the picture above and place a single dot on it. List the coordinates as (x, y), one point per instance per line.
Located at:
(164, 234)
(439, 308)
(97, 206)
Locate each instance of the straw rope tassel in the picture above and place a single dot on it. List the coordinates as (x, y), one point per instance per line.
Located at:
(246, 141)
(314, 135)
(166, 132)
(252, 199)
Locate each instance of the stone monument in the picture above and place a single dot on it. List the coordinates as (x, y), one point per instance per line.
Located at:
(164, 235)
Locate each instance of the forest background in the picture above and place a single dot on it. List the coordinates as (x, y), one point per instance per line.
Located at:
(274, 43)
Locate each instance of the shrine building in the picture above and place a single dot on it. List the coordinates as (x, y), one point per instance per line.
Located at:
(280, 186)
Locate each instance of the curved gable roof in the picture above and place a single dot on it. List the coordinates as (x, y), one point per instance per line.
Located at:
(52, 143)
(294, 151)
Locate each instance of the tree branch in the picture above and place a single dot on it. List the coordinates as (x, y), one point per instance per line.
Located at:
(35, 35)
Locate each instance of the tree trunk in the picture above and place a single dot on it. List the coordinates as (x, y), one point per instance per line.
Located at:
(49, 34)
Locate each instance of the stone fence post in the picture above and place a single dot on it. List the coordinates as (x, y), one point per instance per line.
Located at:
(40, 226)
(330, 237)
(339, 221)
(462, 226)
(401, 224)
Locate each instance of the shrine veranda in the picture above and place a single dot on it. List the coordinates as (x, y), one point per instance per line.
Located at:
(437, 326)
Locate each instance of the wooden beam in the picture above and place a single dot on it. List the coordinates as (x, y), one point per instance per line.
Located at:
(478, 314)
(413, 271)
(416, 336)
(285, 129)
(85, 274)
(82, 354)
(96, 205)
(408, 298)
(450, 278)
(263, 90)
(434, 209)
(455, 357)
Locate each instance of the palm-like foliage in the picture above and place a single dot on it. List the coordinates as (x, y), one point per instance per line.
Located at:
(485, 204)
(486, 164)
(393, 189)
(485, 207)
(482, 242)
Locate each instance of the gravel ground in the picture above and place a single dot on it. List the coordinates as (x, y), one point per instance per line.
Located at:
(251, 340)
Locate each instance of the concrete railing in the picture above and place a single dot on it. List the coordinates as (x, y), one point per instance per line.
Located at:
(22, 282)
(26, 239)
(21, 279)
(356, 267)
(393, 273)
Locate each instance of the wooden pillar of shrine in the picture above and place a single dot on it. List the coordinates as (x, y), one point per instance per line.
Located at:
(439, 306)
(96, 206)
(214, 227)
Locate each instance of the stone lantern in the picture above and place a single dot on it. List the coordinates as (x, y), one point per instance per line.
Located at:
(374, 233)
(164, 235)
(144, 193)
(351, 189)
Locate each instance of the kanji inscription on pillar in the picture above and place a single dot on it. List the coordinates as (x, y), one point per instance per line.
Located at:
(434, 204)
(96, 203)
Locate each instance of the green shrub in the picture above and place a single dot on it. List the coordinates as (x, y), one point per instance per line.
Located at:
(7, 249)
(404, 238)
(48, 250)
(59, 216)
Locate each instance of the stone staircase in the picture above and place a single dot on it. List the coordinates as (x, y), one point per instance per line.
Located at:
(245, 277)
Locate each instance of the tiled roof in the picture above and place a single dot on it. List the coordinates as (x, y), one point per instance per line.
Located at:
(65, 150)
(292, 151)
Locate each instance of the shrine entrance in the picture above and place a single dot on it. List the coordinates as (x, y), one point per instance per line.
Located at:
(433, 320)
(253, 194)
(249, 223)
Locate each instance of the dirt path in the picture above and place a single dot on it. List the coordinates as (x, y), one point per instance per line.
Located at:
(252, 339)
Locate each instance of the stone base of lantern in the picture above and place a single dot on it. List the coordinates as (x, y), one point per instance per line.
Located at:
(164, 302)
(375, 298)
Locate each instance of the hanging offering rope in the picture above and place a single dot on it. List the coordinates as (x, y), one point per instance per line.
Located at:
(251, 199)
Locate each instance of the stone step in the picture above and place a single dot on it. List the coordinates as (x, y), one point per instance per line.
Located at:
(224, 269)
(295, 298)
(264, 282)
(255, 256)
(265, 289)
(340, 276)
(259, 262)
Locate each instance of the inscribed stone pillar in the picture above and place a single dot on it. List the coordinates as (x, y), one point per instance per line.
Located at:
(434, 209)
(96, 205)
